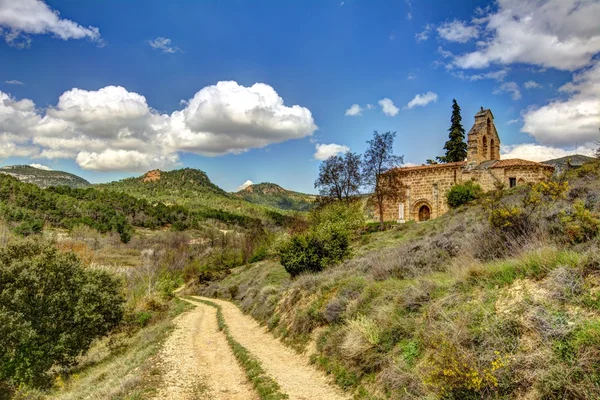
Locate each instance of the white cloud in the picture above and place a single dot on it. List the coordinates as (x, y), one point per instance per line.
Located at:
(229, 118)
(457, 31)
(509, 87)
(164, 44)
(325, 151)
(411, 76)
(562, 34)
(573, 120)
(388, 107)
(536, 152)
(113, 129)
(21, 18)
(354, 110)
(14, 82)
(409, 16)
(118, 160)
(495, 75)
(444, 53)
(421, 100)
(40, 166)
(532, 85)
(244, 185)
(512, 121)
(424, 34)
(369, 106)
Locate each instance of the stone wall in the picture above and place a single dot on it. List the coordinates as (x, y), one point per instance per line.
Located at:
(428, 185)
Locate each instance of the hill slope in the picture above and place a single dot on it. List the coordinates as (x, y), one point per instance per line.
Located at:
(44, 178)
(465, 306)
(270, 194)
(192, 188)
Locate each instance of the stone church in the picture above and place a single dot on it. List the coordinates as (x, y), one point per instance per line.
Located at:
(426, 186)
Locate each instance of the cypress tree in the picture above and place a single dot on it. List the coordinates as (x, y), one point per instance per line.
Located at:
(456, 148)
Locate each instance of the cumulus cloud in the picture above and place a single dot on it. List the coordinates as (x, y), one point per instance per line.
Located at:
(40, 166)
(457, 31)
(561, 34)
(421, 100)
(536, 152)
(509, 87)
(244, 185)
(164, 44)
(388, 107)
(14, 82)
(34, 17)
(354, 110)
(572, 120)
(532, 85)
(325, 151)
(113, 129)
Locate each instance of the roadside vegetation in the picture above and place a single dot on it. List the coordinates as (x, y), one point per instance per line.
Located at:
(497, 299)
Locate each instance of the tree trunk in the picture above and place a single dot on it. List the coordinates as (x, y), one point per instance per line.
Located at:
(380, 204)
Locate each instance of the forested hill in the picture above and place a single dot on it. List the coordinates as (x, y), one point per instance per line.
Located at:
(44, 178)
(273, 195)
(192, 188)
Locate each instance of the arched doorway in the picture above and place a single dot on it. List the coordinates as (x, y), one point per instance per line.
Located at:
(424, 213)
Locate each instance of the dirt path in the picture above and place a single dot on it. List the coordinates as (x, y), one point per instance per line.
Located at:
(292, 371)
(198, 363)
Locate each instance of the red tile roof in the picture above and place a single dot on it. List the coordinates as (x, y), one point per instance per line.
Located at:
(431, 166)
(517, 162)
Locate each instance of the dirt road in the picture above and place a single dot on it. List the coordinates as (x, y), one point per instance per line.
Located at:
(298, 379)
(197, 362)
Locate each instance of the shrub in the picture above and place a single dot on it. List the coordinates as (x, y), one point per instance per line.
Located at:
(463, 194)
(51, 309)
(315, 250)
(581, 224)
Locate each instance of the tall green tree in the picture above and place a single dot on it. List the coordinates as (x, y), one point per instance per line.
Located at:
(378, 161)
(456, 147)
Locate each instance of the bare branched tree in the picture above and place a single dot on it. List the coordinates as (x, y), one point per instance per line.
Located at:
(339, 178)
(379, 161)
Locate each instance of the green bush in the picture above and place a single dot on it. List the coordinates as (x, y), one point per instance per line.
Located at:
(315, 250)
(51, 309)
(463, 194)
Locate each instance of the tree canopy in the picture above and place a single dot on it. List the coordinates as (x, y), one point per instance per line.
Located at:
(456, 147)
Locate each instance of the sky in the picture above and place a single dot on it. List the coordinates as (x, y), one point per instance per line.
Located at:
(264, 91)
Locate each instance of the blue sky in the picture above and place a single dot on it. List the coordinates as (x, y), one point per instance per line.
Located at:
(109, 89)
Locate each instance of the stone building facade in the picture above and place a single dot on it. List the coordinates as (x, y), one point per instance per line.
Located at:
(425, 187)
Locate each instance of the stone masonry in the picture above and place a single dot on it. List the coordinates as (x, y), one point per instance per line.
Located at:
(425, 187)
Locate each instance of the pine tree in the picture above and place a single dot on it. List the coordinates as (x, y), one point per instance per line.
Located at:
(456, 148)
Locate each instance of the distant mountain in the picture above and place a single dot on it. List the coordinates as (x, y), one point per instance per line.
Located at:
(272, 195)
(44, 178)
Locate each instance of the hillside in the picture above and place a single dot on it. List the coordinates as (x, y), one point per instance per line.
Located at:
(192, 188)
(44, 178)
(272, 195)
(498, 299)
(574, 161)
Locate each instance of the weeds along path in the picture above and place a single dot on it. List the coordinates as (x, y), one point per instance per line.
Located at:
(292, 371)
(197, 362)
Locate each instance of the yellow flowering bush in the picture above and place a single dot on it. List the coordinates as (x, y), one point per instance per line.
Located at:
(451, 373)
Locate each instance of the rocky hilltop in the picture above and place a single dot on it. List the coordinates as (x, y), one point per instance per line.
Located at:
(44, 177)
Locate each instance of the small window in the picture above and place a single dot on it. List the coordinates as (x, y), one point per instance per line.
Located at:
(512, 182)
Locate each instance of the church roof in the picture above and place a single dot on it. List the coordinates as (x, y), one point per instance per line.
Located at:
(484, 112)
(511, 163)
(431, 166)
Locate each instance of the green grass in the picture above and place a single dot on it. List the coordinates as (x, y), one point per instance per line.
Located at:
(119, 367)
(267, 387)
